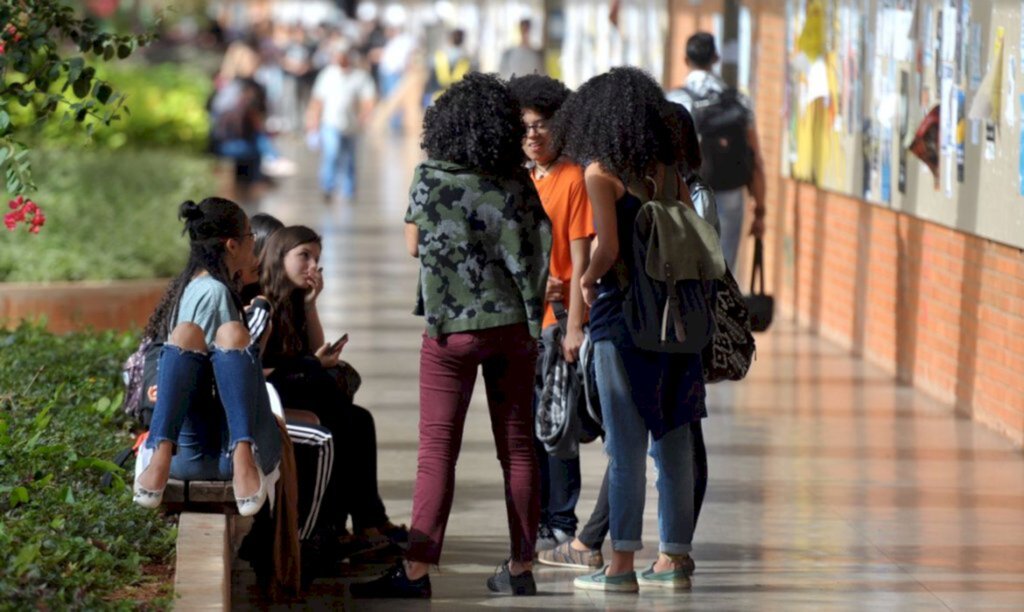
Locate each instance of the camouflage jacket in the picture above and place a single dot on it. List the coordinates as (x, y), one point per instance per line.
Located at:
(483, 249)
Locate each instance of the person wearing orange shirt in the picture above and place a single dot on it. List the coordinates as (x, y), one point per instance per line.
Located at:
(563, 194)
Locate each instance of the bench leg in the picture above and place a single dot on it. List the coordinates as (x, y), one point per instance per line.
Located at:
(202, 574)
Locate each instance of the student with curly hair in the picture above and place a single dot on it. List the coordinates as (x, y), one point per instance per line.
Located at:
(559, 182)
(620, 125)
(479, 230)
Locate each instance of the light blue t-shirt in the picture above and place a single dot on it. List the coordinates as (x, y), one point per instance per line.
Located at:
(207, 302)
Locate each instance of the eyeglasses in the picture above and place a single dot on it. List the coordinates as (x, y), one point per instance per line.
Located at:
(540, 127)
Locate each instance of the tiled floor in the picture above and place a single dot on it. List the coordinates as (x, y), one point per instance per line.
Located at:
(831, 487)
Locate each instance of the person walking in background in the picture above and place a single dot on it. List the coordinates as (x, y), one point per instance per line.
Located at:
(480, 232)
(562, 191)
(449, 66)
(522, 59)
(395, 57)
(729, 143)
(343, 99)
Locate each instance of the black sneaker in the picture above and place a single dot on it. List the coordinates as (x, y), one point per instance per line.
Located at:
(395, 584)
(505, 583)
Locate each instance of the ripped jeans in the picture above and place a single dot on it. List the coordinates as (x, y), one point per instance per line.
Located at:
(206, 404)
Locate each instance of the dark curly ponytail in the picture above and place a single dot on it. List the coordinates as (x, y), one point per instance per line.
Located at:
(208, 225)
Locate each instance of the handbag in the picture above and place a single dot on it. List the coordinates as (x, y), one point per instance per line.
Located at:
(731, 350)
(760, 305)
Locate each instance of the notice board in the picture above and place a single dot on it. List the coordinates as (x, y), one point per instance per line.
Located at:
(917, 105)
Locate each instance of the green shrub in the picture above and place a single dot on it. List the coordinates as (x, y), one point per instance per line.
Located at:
(66, 541)
(167, 104)
(110, 215)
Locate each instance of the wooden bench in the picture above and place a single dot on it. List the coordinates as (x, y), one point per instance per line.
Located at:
(205, 546)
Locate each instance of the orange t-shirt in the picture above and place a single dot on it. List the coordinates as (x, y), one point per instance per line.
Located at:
(564, 196)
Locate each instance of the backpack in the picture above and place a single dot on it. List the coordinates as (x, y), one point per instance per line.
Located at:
(721, 120)
(677, 256)
(138, 374)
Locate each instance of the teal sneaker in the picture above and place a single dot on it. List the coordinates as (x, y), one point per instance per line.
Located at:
(676, 579)
(599, 581)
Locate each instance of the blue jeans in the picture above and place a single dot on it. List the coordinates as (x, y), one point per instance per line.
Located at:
(389, 82)
(205, 428)
(240, 148)
(731, 206)
(337, 161)
(626, 440)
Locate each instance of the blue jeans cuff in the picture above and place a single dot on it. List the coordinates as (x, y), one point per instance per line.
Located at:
(152, 441)
(675, 549)
(627, 545)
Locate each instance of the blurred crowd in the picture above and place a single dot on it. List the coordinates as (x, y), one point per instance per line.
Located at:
(329, 82)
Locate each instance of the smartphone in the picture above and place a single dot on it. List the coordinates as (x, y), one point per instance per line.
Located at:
(340, 343)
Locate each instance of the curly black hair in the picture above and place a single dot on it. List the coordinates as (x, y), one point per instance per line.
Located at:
(477, 123)
(541, 94)
(621, 120)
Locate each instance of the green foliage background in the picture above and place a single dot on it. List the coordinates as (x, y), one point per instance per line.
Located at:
(110, 215)
(167, 104)
(66, 541)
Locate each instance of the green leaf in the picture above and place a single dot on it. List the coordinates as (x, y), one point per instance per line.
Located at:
(75, 66)
(102, 92)
(98, 464)
(5, 120)
(25, 558)
(81, 86)
(123, 51)
(102, 405)
(19, 496)
(69, 496)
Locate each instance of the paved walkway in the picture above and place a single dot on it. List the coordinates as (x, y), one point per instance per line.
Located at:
(831, 487)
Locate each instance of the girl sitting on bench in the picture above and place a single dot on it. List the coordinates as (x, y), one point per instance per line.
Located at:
(212, 405)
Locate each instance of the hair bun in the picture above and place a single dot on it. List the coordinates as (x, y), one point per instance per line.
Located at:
(190, 211)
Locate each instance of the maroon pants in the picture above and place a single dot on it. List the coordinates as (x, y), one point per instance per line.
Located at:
(448, 370)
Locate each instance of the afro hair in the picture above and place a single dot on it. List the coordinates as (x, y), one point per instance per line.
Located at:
(477, 124)
(621, 120)
(541, 94)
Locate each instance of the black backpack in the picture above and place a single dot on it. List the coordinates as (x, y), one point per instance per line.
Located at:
(721, 119)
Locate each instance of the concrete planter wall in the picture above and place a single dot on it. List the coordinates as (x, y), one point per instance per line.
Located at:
(70, 306)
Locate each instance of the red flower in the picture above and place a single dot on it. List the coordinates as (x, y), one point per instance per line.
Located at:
(21, 208)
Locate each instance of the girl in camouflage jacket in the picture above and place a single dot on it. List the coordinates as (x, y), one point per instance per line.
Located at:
(477, 225)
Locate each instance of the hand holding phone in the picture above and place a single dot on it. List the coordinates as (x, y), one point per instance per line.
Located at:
(339, 344)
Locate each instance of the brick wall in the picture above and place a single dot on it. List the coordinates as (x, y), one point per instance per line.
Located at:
(943, 310)
(67, 307)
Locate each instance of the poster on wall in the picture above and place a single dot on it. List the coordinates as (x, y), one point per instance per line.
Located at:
(869, 80)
